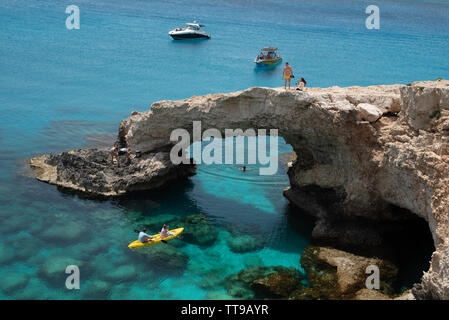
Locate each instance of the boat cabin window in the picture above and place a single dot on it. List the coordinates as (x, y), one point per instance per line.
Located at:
(193, 26)
(267, 55)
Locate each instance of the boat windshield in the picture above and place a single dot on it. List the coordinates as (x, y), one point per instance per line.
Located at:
(193, 26)
(267, 55)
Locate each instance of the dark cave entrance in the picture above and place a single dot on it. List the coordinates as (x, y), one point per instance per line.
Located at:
(406, 242)
(410, 247)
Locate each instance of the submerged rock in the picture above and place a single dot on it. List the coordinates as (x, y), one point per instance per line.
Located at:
(240, 291)
(267, 282)
(277, 285)
(97, 289)
(122, 274)
(164, 258)
(14, 223)
(156, 222)
(6, 254)
(218, 295)
(53, 269)
(13, 282)
(61, 232)
(245, 243)
(211, 280)
(198, 229)
(336, 274)
(23, 246)
(252, 273)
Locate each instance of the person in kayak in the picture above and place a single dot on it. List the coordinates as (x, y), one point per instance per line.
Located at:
(143, 236)
(164, 232)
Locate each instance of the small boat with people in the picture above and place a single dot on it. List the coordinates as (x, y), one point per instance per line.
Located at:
(190, 31)
(268, 56)
(154, 239)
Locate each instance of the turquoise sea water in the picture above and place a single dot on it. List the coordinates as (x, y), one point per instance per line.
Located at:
(62, 89)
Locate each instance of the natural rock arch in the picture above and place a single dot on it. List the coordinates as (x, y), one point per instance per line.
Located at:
(401, 160)
(366, 148)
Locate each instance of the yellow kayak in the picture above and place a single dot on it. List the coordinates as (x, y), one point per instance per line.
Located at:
(156, 238)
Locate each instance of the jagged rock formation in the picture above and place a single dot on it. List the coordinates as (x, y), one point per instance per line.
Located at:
(92, 172)
(362, 151)
(335, 274)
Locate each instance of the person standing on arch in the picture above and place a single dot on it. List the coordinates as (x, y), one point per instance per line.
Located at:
(287, 75)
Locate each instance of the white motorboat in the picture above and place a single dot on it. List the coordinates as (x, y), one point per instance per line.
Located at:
(190, 31)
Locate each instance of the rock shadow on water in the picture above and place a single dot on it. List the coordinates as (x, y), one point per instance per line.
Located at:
(141, 207)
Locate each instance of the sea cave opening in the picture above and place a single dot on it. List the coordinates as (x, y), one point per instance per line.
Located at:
(406, 242)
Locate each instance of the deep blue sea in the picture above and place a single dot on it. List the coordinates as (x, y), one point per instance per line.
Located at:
(61, 89)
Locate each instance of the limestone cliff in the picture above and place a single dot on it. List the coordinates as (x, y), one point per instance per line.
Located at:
(362, 151)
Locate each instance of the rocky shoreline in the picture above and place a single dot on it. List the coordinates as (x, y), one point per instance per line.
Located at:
(93, 173)
(368, 158)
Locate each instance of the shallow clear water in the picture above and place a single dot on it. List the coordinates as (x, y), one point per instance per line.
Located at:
(62, 89)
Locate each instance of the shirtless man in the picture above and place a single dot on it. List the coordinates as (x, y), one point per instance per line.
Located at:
(286, 75)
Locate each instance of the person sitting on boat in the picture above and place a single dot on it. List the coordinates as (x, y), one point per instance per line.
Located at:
(261, 57)
(143, 236)
(164, 232)
(301, 84)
